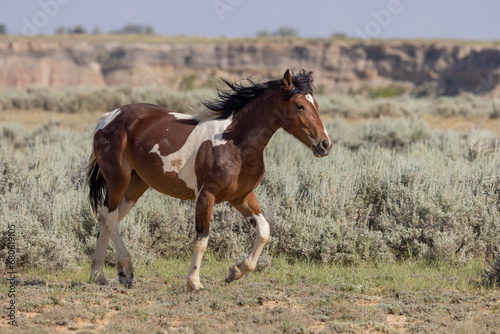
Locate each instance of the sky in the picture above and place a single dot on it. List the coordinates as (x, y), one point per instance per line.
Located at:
(381, 19)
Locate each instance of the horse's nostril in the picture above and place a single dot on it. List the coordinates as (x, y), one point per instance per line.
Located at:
(324, 144)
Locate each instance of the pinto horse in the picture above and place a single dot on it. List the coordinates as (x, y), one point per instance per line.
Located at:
(211, 157)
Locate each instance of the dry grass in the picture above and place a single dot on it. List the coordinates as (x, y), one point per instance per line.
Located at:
(35, 118)
(298, 297)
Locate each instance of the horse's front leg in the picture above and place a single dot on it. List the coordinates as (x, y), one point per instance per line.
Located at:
(203, 213)
(249, 208)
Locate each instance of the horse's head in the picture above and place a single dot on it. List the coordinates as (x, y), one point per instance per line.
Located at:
(299, 114)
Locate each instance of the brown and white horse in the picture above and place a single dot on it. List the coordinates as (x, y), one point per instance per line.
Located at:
(211, 157)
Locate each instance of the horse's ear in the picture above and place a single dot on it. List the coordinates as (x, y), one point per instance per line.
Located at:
(287, 79)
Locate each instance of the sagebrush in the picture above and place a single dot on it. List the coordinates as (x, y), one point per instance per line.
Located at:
(103, 99)
(389, 190)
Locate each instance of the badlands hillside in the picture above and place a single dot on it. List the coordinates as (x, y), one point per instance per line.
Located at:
(340, 66)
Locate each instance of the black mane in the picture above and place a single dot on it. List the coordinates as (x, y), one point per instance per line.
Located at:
(231, 100)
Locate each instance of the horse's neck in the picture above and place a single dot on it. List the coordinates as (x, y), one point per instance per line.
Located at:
(255, 125)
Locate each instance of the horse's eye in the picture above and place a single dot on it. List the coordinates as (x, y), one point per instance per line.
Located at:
(300, 107)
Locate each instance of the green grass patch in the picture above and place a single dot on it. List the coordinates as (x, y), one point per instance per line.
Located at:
(285, 271)
(408, 275)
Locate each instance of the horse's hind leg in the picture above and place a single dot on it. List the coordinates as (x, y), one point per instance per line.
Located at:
(136, 188)
(117, 184)
(103, 237)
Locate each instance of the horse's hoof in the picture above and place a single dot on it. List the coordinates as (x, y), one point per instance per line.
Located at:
(193, 287)
(126, 281)
(100, 280)
(233, 273)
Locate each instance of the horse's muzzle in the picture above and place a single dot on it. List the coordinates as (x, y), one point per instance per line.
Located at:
(322, 148)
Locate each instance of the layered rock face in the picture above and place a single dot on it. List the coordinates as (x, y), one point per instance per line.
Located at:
(339, 66)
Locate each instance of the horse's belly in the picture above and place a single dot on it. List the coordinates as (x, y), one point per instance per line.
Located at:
(169, 184)
(170, 175)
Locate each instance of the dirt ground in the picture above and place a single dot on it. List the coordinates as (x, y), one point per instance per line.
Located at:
(272, 301)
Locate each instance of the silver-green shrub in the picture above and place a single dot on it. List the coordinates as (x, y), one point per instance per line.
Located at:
(103, 99)
(100, 99)
(389, 190)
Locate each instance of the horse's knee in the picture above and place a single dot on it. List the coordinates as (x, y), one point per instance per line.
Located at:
(264, 236)
(263, 229)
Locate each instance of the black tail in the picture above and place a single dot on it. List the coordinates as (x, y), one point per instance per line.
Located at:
(97, 184)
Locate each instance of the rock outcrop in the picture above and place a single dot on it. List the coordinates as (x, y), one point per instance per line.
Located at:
(340, 66)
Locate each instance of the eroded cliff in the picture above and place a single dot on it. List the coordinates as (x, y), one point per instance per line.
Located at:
(340, 66)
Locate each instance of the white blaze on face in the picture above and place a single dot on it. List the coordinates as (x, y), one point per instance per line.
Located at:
(326, 132)
(311, 99)
(107, 118)
(182, 161)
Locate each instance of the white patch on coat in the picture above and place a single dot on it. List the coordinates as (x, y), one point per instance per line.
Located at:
(263, 233)
(109, 218)
(107, 118)
(180, 116)
(193, 277)
(182, 161)
(262, 226)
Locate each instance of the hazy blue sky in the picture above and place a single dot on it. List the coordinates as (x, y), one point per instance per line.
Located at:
(460, 19)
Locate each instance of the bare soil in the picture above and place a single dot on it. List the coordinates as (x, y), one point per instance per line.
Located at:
(262, 302)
